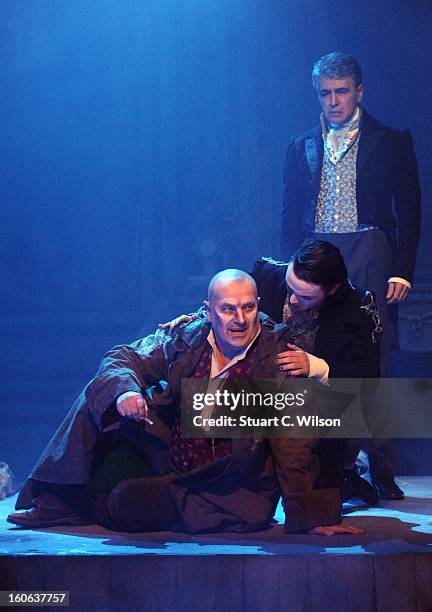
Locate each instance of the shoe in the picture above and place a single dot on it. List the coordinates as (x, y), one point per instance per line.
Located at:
(44, 517)
(356, 486)
(390, 490)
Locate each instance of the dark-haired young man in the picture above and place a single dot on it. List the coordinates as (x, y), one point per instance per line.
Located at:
(354, 182)
(337, 326)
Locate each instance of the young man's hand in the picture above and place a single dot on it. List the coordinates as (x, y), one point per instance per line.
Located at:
(295, 361)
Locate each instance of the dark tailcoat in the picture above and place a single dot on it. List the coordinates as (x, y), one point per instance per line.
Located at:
(388, 192)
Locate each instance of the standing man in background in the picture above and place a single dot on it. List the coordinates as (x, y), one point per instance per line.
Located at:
(354, 182)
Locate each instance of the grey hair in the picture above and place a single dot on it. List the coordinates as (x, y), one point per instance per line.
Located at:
(336, 65)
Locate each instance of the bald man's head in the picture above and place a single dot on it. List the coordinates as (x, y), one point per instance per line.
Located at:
(232, 308)
(229, 276)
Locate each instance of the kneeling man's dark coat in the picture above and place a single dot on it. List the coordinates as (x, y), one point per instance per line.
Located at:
(238, 492)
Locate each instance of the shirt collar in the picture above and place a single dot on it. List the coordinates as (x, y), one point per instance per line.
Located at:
(352, 124)
(215, 370)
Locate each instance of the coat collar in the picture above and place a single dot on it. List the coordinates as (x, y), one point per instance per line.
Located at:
(195, 334)
(314, 151)
(371, 133)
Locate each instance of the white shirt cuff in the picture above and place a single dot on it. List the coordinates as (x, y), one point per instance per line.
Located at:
(125, 395)
(402, 281)
(318, 368)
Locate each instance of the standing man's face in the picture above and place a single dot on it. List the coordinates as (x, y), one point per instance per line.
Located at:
(339, 98)
(233, 312)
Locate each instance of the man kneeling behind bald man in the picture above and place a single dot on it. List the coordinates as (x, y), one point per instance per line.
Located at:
(192, 485)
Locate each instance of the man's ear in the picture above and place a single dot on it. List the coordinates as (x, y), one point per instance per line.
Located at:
(333, 289)
(207, 307)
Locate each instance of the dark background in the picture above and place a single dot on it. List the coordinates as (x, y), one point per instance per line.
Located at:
(142, 150)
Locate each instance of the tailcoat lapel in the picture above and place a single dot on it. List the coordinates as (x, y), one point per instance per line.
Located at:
(371, 133)
(314, 151)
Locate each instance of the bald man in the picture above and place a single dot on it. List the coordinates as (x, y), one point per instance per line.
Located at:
(193, 485)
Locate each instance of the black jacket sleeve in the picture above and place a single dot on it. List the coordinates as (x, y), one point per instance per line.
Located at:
(407, 204)
(349, 338)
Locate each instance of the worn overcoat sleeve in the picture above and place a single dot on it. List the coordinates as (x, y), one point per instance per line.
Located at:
(125, 368)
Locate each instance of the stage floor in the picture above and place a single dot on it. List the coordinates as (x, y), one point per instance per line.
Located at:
(388, 567)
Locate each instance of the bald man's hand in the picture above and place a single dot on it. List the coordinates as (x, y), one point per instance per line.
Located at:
(133, 406)
(330, 530)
